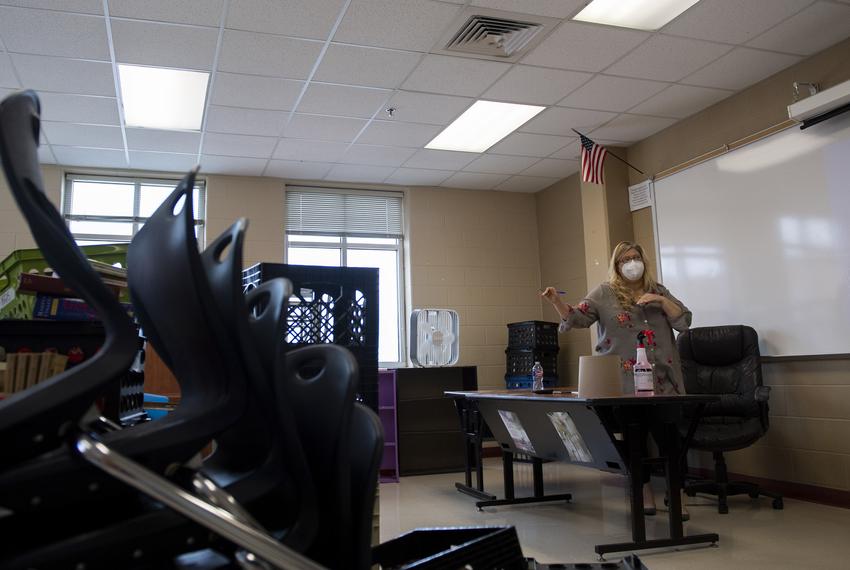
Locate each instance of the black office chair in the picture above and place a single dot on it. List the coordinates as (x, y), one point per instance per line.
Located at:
(725, 360)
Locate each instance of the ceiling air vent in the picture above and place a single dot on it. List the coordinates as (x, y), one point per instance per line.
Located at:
(491, 36)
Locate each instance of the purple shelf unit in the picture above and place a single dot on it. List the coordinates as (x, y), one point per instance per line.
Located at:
(387, 413)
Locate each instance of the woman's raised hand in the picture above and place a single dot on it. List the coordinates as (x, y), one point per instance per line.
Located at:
(550, 294)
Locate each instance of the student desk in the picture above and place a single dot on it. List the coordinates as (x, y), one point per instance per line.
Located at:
(604, 433)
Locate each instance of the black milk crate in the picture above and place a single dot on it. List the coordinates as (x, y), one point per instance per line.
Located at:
(533, 334)
(520, 362)
(525, 382)
(336, 305)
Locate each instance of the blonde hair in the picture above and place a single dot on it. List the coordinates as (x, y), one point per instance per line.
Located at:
(619, 284)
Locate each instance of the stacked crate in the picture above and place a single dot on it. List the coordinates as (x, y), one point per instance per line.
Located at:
(530, 342)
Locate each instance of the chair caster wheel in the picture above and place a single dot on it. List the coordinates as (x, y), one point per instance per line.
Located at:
(723, 509)
(778, 504)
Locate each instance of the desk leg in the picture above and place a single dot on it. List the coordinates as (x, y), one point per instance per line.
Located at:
(633, 435)
(510, 498)
(674, 480)
(472, 426)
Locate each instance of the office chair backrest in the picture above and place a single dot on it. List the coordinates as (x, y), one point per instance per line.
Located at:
(723, 360)
(367, 446)
(36, 420)
(174, 304)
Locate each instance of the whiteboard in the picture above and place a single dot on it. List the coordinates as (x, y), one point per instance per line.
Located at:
(761, 236)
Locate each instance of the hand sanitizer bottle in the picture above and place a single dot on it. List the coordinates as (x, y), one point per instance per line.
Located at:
(644, 383)
(537, 377)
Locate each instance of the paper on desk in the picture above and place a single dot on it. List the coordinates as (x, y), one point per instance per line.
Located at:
(516, 431)
(569, 434)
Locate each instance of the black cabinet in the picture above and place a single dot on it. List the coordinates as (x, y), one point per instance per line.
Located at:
(429, 435)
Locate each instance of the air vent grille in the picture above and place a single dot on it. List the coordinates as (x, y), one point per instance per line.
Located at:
(495, 37)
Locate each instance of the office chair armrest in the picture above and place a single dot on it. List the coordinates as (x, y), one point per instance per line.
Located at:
(762, 393)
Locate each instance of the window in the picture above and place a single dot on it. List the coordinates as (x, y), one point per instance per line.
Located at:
(103, 209)
(341, 228)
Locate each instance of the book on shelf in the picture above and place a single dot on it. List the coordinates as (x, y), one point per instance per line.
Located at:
(32, 283)
(66, 309)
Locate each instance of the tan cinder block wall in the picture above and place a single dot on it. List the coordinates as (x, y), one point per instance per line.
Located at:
(14, 233)
(261, 200)
(809, 437)
(560, 231)
(476, 252)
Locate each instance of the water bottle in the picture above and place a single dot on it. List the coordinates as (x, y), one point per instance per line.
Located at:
(642, 369)
(537, 377)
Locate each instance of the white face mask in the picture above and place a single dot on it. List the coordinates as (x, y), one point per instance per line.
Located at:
(632, 270)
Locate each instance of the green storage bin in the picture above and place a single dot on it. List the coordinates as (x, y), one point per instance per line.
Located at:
(20, 306)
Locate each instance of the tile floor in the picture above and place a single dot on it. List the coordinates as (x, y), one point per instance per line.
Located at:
(752, 536)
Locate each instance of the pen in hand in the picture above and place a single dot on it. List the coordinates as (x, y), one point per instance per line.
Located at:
(556, 291)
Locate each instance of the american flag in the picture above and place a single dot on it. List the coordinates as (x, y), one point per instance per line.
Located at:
(592, 159)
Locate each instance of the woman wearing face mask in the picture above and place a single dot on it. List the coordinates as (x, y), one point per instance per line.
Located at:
(629, 302)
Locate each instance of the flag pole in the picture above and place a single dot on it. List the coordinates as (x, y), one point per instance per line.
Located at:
(611, 153)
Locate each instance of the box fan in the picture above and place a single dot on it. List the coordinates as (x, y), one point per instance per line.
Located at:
(434, 337)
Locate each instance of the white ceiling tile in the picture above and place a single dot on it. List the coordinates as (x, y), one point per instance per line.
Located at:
(45, 32)
(607, 93)
(377, 155)
(298, 170)
(245, 121)
(45, 155)
(815, 28)
(371, 67)
(680, 101)
(81, 6)
(391, 133)
(631, 128)
(454, 75)
(263, 54)
(500, 164)
(535, 85)
(342, 100)
(474, 180)
(199, 12)
(740, 68)
(65, 75)
(255, 92)
(356, 173)
(162, 161)
(418, 177)
(299, 18)
(7, 76)
(526, 184)
(567, 47)
(440, 159)
(310, 151)
(427, 108)
(667, 58)
(234, 166)
(79, 108)
(164, 45)
(526, 144)
(102, 158)
(553, 168)
(238, 145)
(317, 127)
(69, 134)
(412, 24)
(570, 152)
(561, 121)
(163, 141)
(732, 21)
(551, 8)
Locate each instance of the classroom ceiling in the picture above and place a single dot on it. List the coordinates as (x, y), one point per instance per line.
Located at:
(299, 88)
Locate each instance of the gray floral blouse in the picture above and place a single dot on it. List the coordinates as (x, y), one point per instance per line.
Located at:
(618, 329)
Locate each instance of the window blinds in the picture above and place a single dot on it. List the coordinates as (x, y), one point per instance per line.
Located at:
(309, 211)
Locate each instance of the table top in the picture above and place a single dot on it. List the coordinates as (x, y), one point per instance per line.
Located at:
(568, 396)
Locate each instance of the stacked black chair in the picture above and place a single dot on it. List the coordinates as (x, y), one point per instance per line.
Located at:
(725, 360)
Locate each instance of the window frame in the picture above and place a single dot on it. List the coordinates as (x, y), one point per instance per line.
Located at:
(137, 220)
(344, 246)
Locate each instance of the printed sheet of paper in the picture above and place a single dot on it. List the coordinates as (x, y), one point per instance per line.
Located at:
(516, 431)
(569, 434)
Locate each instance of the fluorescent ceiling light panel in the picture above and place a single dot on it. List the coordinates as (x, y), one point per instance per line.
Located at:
(649, 15)
(159, 98)
(483, 125)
